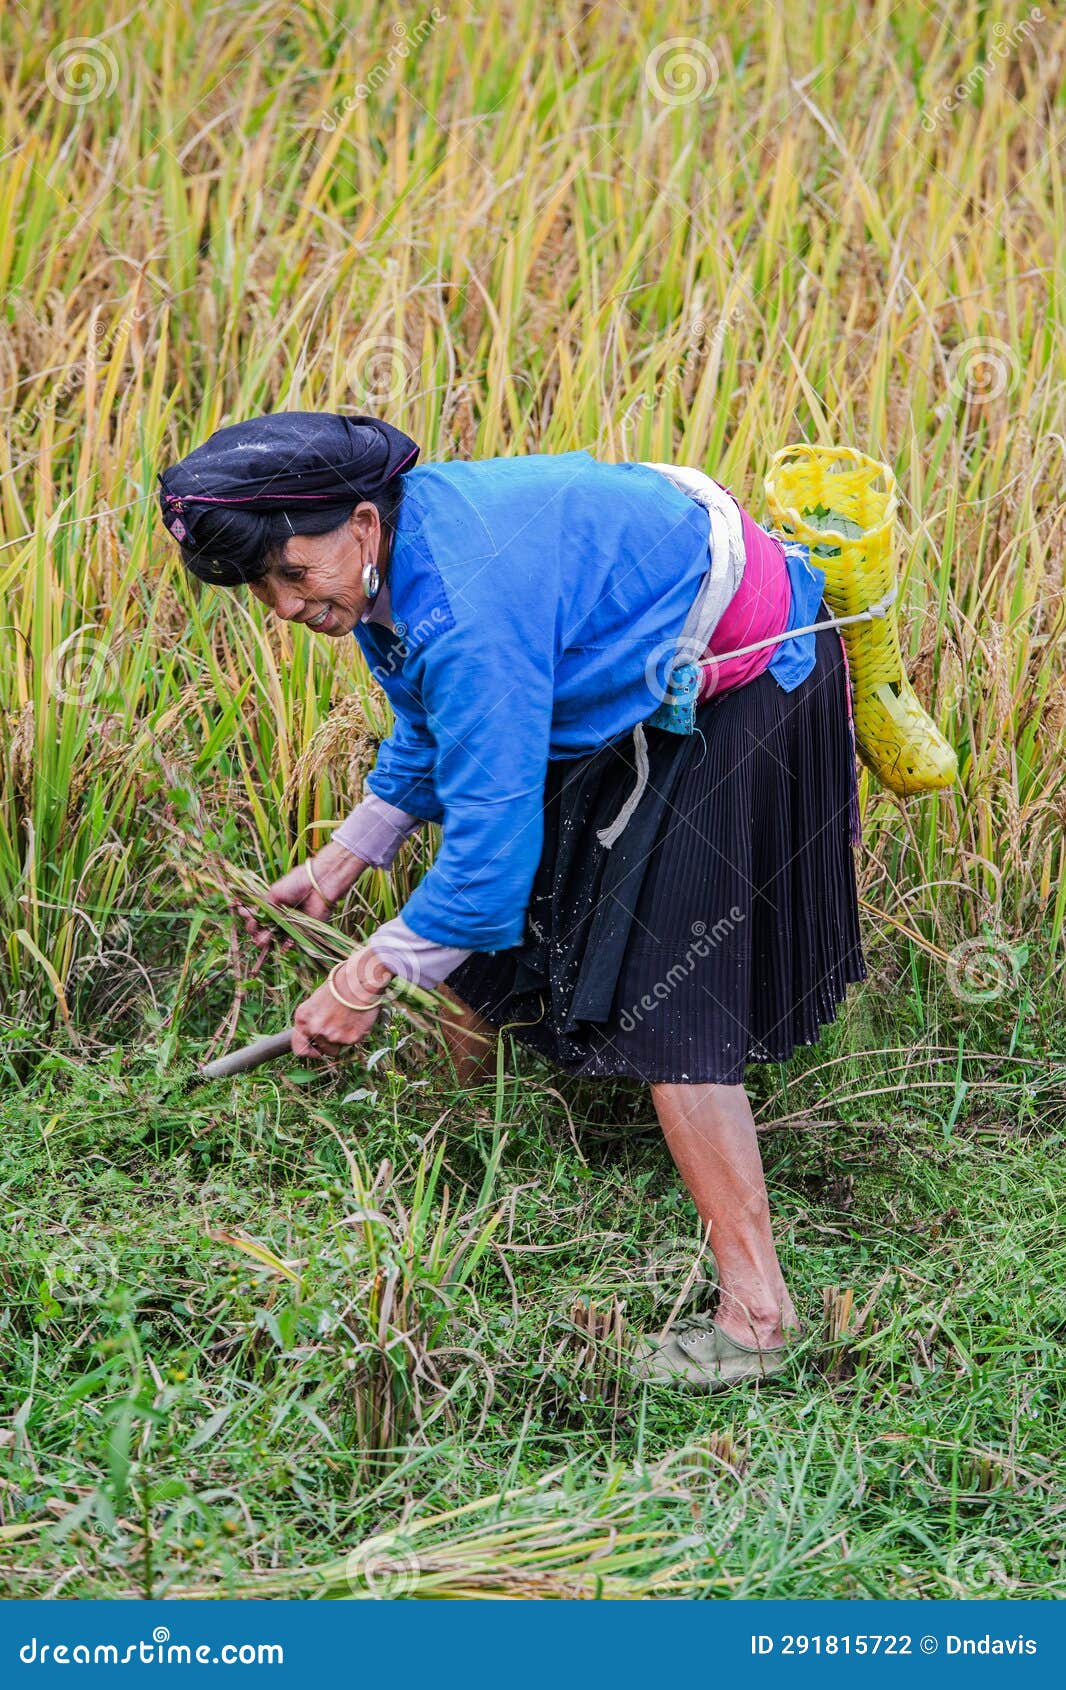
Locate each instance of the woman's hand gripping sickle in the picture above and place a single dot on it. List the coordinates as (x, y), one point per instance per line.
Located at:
(330, 1018)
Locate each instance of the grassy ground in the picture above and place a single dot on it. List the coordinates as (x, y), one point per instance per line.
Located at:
(251, 1325)
(247, 1327)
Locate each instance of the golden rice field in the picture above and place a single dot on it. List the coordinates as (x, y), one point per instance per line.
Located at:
(525, 228)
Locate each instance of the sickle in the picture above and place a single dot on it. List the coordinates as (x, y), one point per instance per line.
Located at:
(248, 1056)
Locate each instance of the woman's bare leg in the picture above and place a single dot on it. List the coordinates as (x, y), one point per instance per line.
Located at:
(710, 1131)
(471, 1041)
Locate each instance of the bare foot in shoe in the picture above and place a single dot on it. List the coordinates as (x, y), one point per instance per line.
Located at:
(758, 1322)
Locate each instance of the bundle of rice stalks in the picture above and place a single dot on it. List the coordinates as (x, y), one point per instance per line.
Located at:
(547, 1541)
(204, 869)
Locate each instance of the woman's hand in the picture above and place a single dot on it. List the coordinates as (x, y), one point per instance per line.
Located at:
(322, 1027)
(334, 868)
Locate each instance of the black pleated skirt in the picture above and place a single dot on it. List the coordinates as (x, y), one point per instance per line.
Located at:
(722, 926)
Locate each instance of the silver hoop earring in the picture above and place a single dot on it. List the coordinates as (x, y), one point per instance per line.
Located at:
(371, 580)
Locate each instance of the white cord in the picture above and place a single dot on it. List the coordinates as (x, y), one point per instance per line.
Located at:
(874, 612)
(608, 835)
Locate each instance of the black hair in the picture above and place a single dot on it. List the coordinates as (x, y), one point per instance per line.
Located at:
(233, 546)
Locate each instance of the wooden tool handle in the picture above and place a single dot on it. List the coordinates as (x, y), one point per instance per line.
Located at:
(249, 1056)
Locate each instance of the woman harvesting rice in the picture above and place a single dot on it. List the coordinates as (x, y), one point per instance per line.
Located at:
(645, 881)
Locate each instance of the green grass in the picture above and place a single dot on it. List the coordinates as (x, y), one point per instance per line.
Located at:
(186, 1414)
(248, 1329)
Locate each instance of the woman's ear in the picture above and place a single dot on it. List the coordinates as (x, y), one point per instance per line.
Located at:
(364, 523)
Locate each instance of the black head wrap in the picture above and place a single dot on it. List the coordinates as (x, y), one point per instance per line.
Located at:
(249, 486)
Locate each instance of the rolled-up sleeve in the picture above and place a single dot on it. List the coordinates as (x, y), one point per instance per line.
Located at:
(413, 958)
(374, 831)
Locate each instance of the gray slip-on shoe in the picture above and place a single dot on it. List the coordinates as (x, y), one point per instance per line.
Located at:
(696, 1355)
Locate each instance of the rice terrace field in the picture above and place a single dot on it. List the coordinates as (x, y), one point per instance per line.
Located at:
(365, 1332)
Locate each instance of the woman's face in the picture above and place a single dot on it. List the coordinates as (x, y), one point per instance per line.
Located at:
(318, 578)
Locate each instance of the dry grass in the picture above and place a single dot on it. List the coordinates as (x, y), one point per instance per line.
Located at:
(518, 252)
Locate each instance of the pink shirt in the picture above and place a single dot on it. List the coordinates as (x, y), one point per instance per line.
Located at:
(758, 608)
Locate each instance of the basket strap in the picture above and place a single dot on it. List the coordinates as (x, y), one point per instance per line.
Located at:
(874, 612)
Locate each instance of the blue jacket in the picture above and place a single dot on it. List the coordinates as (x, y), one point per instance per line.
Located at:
(531, 598)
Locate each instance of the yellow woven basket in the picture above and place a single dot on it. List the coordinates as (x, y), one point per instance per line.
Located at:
(808, 489)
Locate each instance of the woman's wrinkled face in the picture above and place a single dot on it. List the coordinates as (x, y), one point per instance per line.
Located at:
(318, 578)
